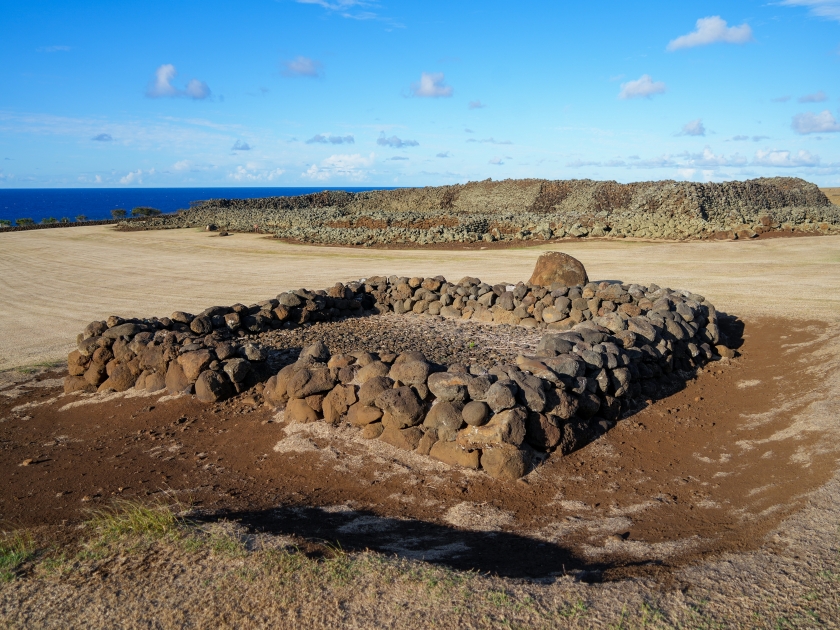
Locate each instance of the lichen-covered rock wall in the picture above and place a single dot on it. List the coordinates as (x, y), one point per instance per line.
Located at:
(526, 210)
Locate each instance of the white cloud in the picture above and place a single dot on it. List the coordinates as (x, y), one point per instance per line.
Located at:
(240, 146)
(816, 97)
(102, 137)
(431, 85)
(345, 166)
(136, 177)
(395, 143)
(327, 138)
(444, 154)
(182, 165)
(197, 89)
(476, 105)
(785, 159)
(490, 140)
(712, 30)
(496, 161)
(694, 128)
(829, 9)
(397, 158)
(251, 173)
(162, 86)
(302, 66)
(336, 5)
(809, 122)
(643, 87)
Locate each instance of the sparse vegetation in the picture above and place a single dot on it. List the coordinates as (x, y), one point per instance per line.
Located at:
(118, 213)
(225, 573)
(143, 211)
(65, 220)
(23, 222)
(15, 549)
(5, 223)
(49, 221)
(81, 218)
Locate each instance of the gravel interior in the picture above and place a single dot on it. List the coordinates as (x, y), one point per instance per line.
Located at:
(443, 341)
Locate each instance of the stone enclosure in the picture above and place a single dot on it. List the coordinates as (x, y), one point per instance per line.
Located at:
(605, 347)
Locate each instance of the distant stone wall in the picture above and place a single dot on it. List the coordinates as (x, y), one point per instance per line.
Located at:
(48, 226)
(605, 347)
(529, 209)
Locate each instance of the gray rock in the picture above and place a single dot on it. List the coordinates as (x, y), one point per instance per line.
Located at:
(501, 395)
(237, 369)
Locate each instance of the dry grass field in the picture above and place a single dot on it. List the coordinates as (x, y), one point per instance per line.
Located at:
(729, 489)
(54, 282)
(833, 194)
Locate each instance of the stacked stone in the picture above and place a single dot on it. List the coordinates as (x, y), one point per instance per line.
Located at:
(606, 345)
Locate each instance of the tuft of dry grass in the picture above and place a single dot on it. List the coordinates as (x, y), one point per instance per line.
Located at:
(15, 548)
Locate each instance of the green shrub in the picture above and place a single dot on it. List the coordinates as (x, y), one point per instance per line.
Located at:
(25, 222)
(65, 220)
(118, 213)
(80, 218)
(5, 223)
(144, 211)
(49, 220)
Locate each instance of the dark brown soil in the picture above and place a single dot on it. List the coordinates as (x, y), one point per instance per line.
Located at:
(691, 475)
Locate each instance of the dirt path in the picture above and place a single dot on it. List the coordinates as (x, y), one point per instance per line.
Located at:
(68, 277)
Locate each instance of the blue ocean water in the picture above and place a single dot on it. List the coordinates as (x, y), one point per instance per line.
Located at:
(96, 203)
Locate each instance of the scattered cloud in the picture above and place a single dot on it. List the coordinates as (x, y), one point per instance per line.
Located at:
(52, 49)
(712, 30)
(395, 143)
(693, 128)
(785, 159)
(327, 138)
(240, 146)
(182, 165)
(136, 177)
(643, 87)
(490, 140)
(496, 161)
(816, 97)
(352, 167)
(808, 122)
(335, 5)
(609, 164)
(251, 173)
(431, 85)
(161, 85)
(781, 99)
(353, 10)
(444, 154)
(828, 9)
(102, 137)
(476, 105)
(745, 138)
(302, 66)
(398, 157)
(468, 131)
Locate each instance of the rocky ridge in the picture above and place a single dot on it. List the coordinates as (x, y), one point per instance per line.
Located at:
(601, 348)
(529, 209)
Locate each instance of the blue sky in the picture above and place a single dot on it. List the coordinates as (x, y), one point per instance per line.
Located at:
(398, 93)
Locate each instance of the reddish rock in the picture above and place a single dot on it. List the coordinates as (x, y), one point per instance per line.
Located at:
(557, 267)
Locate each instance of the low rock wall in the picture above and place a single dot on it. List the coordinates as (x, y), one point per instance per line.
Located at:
(605, 347)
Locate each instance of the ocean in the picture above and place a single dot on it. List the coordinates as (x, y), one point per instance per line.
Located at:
(96, 203)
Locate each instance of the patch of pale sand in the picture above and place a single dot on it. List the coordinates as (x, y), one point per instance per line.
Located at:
(355, 453)
(641, 550)
(478, 517)
(105, 397)
(749, 383)
(54, 282)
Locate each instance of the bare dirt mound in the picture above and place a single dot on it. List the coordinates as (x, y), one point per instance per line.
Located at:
(525, 209)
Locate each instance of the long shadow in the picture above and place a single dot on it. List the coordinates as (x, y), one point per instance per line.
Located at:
(499, 553)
